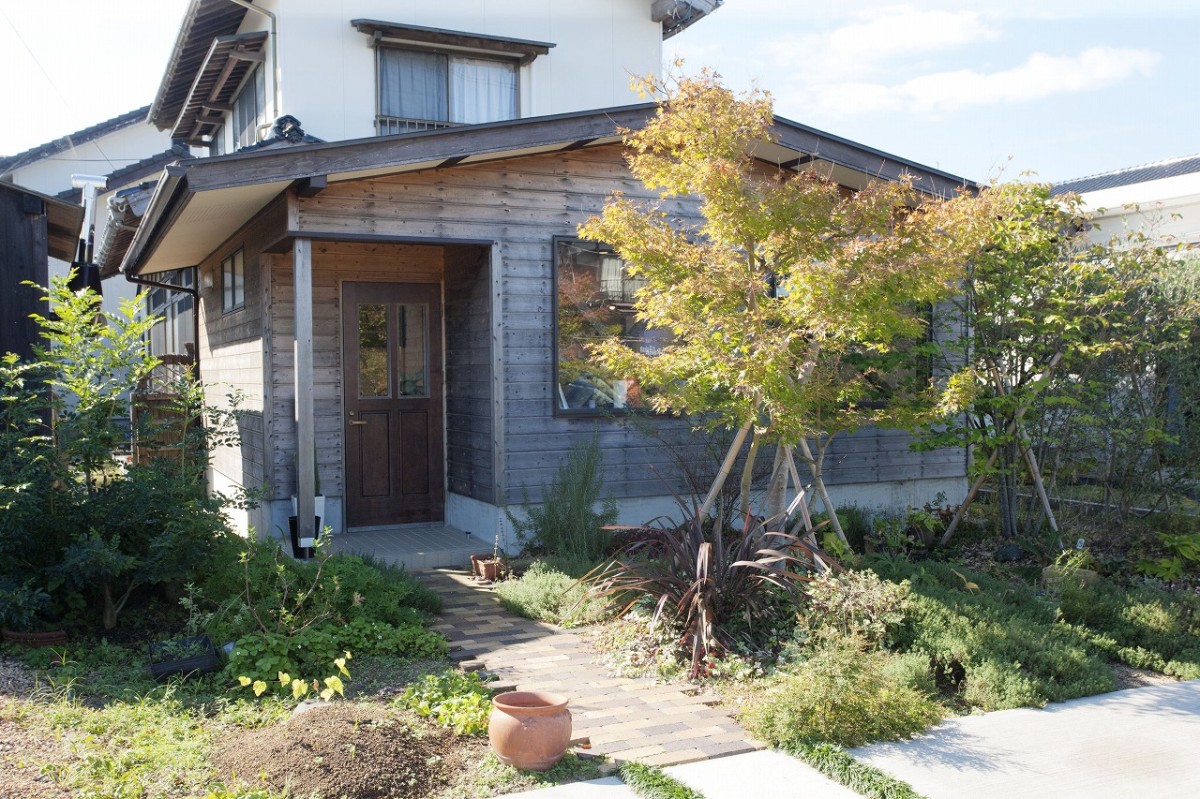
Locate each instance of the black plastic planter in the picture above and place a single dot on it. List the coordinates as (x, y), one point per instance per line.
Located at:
(181, 657)
(299, 552)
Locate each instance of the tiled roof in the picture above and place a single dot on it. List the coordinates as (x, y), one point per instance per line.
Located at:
(11, 162)
(1158, 170)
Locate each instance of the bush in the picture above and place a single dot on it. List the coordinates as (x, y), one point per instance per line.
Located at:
(839, 695)
(546, 594)
(995, 643)
(725, 589)
(854, 605)
(1143, 627)
(566, 524)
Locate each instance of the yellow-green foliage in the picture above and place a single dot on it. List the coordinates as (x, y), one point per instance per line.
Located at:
(546, 594)
(839, 695)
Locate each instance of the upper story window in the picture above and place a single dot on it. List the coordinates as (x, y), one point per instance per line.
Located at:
(595, 296)
(435, 78)
(420, 90)
(250, 109)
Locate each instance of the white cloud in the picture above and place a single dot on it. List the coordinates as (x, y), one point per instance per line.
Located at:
(862, 48)
(1039, 77)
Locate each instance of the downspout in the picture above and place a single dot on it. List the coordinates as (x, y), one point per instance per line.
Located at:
(277, 102)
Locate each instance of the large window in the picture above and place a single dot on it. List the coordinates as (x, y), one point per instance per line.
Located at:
(595, 296)
(250, 109)
(233, 282)
(420, 90)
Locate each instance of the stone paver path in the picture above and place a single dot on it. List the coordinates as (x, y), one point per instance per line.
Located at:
(625, 719)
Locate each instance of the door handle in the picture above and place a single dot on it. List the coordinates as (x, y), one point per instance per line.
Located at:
(354, 422)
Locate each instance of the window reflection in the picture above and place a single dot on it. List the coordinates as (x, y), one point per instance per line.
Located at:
(374, 375)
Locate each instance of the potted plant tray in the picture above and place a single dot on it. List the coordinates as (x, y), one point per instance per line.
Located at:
(182, 656)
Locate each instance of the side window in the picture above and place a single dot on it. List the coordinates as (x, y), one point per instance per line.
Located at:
(594, 296)
(233, 282)
(249, 109)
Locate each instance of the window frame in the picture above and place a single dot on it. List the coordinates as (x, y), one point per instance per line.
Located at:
(450, 54)
(231, 299)
(578, 413)
(255, 80)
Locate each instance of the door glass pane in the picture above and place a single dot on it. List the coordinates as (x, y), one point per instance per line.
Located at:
(374, 374)
(414, 351)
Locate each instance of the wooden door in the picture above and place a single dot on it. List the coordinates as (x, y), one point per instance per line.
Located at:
(392, 381)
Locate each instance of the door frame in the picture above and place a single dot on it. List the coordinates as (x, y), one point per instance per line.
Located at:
(439, 514)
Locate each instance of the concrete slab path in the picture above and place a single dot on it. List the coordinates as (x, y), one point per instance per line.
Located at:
(625, 719)
(1141, 742)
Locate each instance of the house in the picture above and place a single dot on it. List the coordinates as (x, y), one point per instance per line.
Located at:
(1161, 200)
(383, 275)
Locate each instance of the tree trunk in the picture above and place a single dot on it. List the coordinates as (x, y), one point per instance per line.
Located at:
(814, 465)
(774, 510)
(748, 473)
(726, 467)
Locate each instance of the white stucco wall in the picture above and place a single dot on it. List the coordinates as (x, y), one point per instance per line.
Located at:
(1167, 210)
(328, 67)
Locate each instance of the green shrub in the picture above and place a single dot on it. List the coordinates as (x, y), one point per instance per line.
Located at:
(995, 643)
(913, 670)
(650, 782)
(380, 638)
(545, 594)
(854, 605)
(452, 699)
(1143, 627)
(567, 524)
(838, 695)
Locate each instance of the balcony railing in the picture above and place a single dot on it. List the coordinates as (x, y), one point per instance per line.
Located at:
(388, 126)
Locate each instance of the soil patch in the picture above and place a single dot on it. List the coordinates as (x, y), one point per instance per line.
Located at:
(22, 754)
(343, 749)
(1138, 678)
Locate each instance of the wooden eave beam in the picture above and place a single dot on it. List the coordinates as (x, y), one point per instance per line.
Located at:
(311, 187)
(524, 50)
(333, 158)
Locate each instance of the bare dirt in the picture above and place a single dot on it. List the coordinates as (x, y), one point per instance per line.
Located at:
(347, 750)
(22, 752)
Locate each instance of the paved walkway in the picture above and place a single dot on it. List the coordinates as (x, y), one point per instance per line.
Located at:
(625, 719)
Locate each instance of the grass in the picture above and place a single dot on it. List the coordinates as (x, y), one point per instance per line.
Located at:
(840, 766)
(493, 778)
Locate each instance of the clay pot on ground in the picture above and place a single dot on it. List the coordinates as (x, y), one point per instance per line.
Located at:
(486, 568)
(529, 729)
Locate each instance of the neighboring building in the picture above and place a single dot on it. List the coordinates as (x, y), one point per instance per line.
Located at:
(125, 149)
(389, 304)
(34, 228)
(1161, 199)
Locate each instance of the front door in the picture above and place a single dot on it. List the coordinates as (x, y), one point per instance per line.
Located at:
(392, 364)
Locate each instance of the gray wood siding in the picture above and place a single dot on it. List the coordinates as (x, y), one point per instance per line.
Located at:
(521, 204)
(333, 263)
(469, 407)
(231, 349)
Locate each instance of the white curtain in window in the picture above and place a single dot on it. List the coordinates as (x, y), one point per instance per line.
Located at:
(482, 90)
(412, 85)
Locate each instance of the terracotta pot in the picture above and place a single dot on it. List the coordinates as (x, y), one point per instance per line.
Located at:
(35, 640)
(486, 568)
(529, 729)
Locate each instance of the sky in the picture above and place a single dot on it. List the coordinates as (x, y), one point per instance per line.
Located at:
(985, 90)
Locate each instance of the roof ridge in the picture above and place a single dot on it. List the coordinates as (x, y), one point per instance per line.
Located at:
(46, 149)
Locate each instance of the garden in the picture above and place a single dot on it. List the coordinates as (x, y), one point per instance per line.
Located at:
(184, 660)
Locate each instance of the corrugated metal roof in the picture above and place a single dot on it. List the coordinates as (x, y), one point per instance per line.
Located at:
(204, 21)
(1143, 173)
(14, 162)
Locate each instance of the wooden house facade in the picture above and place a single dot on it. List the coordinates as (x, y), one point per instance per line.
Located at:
(388, 308)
